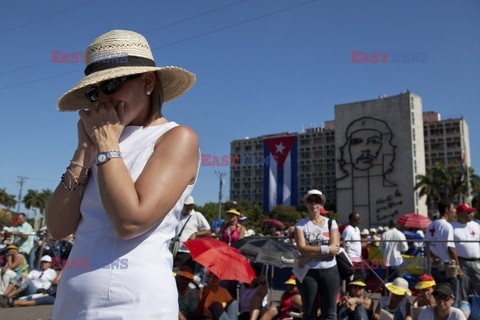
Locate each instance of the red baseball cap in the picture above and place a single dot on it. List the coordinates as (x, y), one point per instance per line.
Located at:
(463, 207)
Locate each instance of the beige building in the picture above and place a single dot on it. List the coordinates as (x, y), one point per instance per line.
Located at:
(411, 142)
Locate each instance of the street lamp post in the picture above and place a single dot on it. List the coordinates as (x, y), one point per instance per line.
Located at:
(222, 182)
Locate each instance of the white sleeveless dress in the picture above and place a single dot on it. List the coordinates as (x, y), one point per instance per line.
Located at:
(122, 279)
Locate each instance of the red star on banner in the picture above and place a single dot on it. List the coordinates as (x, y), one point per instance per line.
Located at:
(473, 233)
(432, 231)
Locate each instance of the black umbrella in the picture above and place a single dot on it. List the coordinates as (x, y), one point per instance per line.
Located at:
(267, 251)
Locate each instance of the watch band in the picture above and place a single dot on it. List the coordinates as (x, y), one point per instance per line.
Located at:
(103, 157)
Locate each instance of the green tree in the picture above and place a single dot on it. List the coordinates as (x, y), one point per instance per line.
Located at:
(7, 200)
(37, 200)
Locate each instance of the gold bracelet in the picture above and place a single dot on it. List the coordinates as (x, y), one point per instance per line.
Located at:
(79, 165)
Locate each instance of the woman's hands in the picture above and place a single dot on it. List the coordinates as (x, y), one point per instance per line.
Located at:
(102, 126)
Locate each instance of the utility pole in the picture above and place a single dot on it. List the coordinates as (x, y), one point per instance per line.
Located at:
(220, 176)
(20, 182)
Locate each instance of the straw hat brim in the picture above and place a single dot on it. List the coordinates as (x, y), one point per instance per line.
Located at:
(175, 82)
(397, 290)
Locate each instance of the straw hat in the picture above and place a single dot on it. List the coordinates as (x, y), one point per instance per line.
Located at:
(136, 57)
(399, 286)
(12, 246)
(425, 281)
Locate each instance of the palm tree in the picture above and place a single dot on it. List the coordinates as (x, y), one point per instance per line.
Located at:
(38, 200)
(7, 200)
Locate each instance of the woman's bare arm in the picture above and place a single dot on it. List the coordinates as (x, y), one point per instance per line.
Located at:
(134, 208)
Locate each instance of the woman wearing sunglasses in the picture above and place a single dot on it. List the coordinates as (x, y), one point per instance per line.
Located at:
(316, 269)
(124, 188)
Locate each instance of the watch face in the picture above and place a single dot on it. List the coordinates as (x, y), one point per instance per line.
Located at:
(101, 157)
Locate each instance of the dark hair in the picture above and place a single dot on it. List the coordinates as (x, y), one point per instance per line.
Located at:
(392, 224)
(156, 100)
(22, 214)
(442, 206)
(350, 216)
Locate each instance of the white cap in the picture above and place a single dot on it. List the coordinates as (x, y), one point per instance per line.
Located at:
(242, 217)
(189, 200)
(380, 229)
(372, 230)
(46, 258)
(420, 232)
(315, 192)
(250, 232)
(364, 232)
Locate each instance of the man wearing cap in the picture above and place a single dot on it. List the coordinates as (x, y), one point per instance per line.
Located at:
(444, 298)
(355, 305)
(464, 231)
(353, 246)
(34, 281)
(192, 225)
(442, 252)
(22, 235)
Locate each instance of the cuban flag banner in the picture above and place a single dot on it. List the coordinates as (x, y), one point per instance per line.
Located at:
(280, 181)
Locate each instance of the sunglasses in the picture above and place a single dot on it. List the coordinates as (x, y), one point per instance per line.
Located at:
(108, 87)
(314, 200)
(441, 296)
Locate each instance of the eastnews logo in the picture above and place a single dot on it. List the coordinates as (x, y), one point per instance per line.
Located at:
(393, 57)
(234, 161)
(82, 57)
(59, 263)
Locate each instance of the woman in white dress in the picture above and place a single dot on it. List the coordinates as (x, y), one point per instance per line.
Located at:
(124, 189)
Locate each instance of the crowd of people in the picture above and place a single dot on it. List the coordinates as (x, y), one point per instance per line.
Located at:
(314, 289)
(447, 293)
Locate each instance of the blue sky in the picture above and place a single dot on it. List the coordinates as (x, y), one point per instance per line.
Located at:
(262, 66)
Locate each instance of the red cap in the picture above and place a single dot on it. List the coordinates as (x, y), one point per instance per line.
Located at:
(425, 277)
(323, 211)
(465, 208)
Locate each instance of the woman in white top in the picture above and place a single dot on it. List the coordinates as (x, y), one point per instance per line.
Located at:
(318, 246)
(124, 189)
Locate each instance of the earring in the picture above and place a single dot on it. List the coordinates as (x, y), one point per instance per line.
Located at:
(148, 93)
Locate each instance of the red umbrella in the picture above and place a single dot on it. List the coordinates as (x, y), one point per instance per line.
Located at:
(414, 220)
(274, 223)
(226, 262)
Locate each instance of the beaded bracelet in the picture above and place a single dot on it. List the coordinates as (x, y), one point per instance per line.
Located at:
(75, 181)
(79, 165)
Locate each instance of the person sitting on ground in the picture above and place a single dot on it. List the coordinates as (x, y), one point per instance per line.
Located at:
(215, 301)
(6, 275)
(36, 280)
(395, 304)
(252, 295)
(40, 299)
(16, 261)
(187, 297)
(471, 307)
(290, 302)
(444, 299)
(425, 286)
(355, 305)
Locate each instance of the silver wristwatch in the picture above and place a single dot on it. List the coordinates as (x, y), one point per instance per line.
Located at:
(103, 157)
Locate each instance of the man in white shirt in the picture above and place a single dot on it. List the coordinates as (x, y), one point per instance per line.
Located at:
(354, 248)
(464, 229)
(442, 252)
(192, 225)
(22, 235)
(392, 250)
(34, 281)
